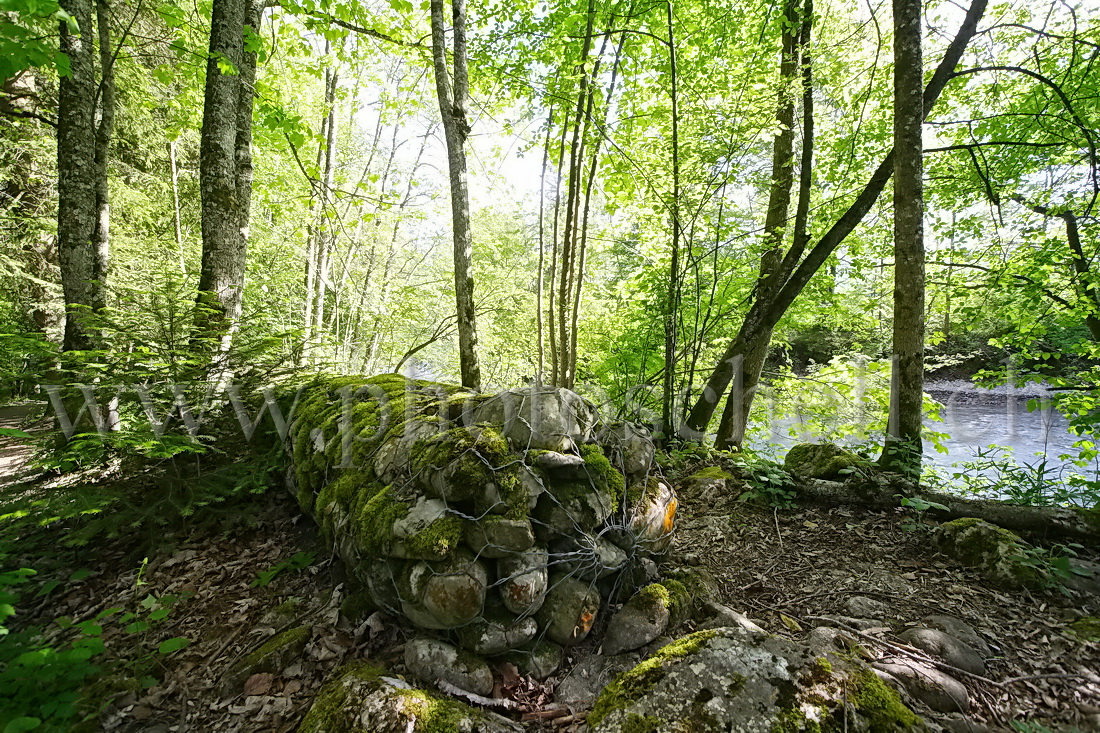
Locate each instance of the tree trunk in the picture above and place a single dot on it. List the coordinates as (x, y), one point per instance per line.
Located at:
(219, 297)
(669, 415)
(734, 422)
(83, 262)
(456, 127)
(764, 314)
(902, 451)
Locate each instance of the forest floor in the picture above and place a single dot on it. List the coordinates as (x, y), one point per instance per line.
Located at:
(228, 592)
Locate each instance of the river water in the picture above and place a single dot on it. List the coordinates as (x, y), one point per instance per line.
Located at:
(973, 419)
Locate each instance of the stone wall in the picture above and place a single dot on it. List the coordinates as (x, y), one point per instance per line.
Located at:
(499, 523)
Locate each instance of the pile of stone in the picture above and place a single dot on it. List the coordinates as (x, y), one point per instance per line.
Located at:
(500, 523)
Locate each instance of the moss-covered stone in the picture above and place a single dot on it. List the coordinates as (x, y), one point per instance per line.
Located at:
(373, 518)
(635, 683)
(603, 474)
(641, 724)
(1087, 627)
(823, 461)
(272, 656)
(362, 699)
(710, 473)
(879, 704)
(996, 551)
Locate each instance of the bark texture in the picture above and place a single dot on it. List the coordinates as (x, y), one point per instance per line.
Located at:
(82, 252)
(225, 167)
(456, 128)
(903, 447)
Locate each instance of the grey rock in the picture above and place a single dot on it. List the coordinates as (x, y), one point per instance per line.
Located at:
(539, 659)
(993, 550)
(495, 633)
(540, 418)
(651, 518)
(934, 688)
(945, 646)
(496, 537)
(443, 595)
(370, 701)
(734, 680)
(523, 580)
(588, 557)
(961, 630)
(571, 508)
(631, 447)
(569, 611)
(864, 607)
(432, 660)
(821, 461)
(640, 621)
(584, 681)
(561, 465)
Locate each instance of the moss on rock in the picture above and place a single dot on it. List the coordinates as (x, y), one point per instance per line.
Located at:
(1087, 627)
(879, 704)
(603, 474)
(635, 683)
(822, 460)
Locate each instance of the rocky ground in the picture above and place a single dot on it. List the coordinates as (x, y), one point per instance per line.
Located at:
(870, 575)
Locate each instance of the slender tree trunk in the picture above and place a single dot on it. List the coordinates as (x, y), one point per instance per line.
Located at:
(82, 260)
(323, 236)
(902, 450)
(669, 418)
(735, 416)
(174, 170)
(765, 314)
(555, 352)
(456, 128)
(539, 376)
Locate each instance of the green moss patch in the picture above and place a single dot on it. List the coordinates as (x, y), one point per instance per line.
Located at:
(633, 684)
(879, 704)
(1087, 628)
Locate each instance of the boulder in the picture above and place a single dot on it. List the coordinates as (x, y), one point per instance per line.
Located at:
(569, 611)
(631, 447)
(995, 551)
(961, 630)
(542, 418)
(938, 690)
(822, 461)
(432, 660)
(736, 679)
(539, 659)
(443, 595)
(640, 621)
(523, 580)
(945, 646)
(650, 509)
(496, 536)
(497, 631)
(364, 699)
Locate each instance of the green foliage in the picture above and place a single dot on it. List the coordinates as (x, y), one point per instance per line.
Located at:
(297, 561)
(995, 472)
(24, 41)
(44, 676)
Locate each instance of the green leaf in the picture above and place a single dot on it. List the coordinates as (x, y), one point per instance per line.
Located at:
(20, 724)
(13, 433)
(173, 645)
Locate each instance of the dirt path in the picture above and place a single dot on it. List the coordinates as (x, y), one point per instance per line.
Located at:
(15, 454)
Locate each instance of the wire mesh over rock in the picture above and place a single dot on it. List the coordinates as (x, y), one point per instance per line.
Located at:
(500, 523)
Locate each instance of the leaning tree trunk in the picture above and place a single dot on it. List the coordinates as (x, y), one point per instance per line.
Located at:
(225, 169)
(902, 451)
(764, 314)
(82, 257)
(731, 429)
(456, 128)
